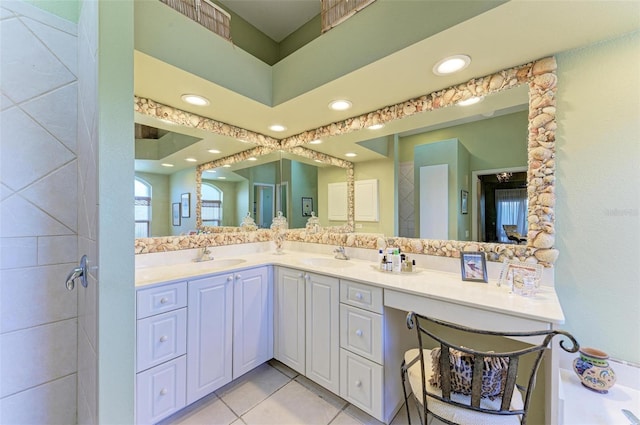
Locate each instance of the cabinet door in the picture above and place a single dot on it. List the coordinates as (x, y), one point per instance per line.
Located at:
(209, 324)
(253, 320)
(323, 339)
(289, 316)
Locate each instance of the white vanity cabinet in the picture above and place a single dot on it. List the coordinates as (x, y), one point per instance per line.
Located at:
(230, 328)
(161, 336)
(371, 347)
(307, 325)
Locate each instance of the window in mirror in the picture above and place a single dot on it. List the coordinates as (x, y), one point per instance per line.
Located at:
(511, 208)
(142, 208)
(211, 205)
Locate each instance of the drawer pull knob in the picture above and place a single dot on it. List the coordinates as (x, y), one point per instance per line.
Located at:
(163, 391)
(359, 332)
(358, 296)
(238, 277)
(164, 338)
(358, 383)
(229, 278)
(164, 300)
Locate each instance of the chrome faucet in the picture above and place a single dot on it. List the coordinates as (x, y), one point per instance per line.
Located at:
(204, 255)
(340, 253)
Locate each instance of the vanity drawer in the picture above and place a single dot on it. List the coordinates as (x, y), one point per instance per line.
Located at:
(161, 338)
(361, 295)
(361, 332)
(161, 391)
(161, 299)
(361, 383)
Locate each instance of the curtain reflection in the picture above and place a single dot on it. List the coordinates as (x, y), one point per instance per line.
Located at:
(511, 209)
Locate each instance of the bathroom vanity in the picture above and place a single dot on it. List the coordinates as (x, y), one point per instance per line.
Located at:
(341, 323)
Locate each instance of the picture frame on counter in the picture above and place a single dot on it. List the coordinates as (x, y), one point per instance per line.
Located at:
(509, 266)
(473, 266)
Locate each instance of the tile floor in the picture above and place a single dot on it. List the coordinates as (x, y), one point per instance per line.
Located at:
(274, 394)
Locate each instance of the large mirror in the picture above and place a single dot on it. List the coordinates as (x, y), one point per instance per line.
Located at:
(534, 138)
(491, 134)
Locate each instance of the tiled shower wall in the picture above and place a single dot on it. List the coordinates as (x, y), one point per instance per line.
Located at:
(39, 217)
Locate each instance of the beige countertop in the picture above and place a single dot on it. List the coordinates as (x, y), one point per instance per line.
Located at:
(433, 284)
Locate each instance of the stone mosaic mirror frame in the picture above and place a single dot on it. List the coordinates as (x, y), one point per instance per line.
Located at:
(541, 78)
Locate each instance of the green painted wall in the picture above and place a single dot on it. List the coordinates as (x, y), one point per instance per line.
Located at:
(382, 170)
(160, 203)
(304, 183)
(598, 195)
(229, 201)
(66, 9)
(184, 181)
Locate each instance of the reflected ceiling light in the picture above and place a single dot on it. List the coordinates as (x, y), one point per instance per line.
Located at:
(451, 64)
(194, 99)
(316, 160)
(375, 127)
(340, 105)
(222, 178)
(252, 158)
(210, 171)
(191, 160)
(350, 154)
(213, 151)
(227, 165)
(277, 127)
(315, 142)
(166, 164)
(471, 101)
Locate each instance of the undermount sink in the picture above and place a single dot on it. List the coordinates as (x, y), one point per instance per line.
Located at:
(219, 264)
(326, 262)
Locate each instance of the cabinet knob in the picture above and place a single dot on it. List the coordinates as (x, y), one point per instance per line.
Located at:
(301, 275)
(238, 277)
(358, 383)
(164, 391)
(358, 296)
(164, 338)
(229, 278)
(164, 300)
(359, 332)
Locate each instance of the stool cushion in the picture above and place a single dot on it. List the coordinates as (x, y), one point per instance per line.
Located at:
(453, 413)
(494, 372)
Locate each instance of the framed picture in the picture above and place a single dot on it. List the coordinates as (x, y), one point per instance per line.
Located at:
(511, 266)
(464, 195)
(473, 266)
(175, 214)
(307, 207)
(185, 199)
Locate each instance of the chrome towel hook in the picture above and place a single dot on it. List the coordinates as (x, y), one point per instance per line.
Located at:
(78, 272)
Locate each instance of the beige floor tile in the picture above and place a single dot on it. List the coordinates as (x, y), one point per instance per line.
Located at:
(283, 368)
(344, 418)
(360, 416)
(252, 388)
(207, 411)
(321, 392)
(293, 404)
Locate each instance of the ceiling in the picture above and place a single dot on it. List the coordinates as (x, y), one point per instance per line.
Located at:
(275, 18)
(511, 34)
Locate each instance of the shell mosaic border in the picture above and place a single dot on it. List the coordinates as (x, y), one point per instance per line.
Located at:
(541, 78)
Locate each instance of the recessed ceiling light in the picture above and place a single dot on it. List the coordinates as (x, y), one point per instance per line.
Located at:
(451, 64)
(471, 101)
(317, 160)
(277, 127)
(166, 164)
(213, 151)
(194, 99)
(227, 165)
(350, 154)
(315, 142)
(375, 127)
(340, 105)
(191, 160)
(252, 158)
(222, 178)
